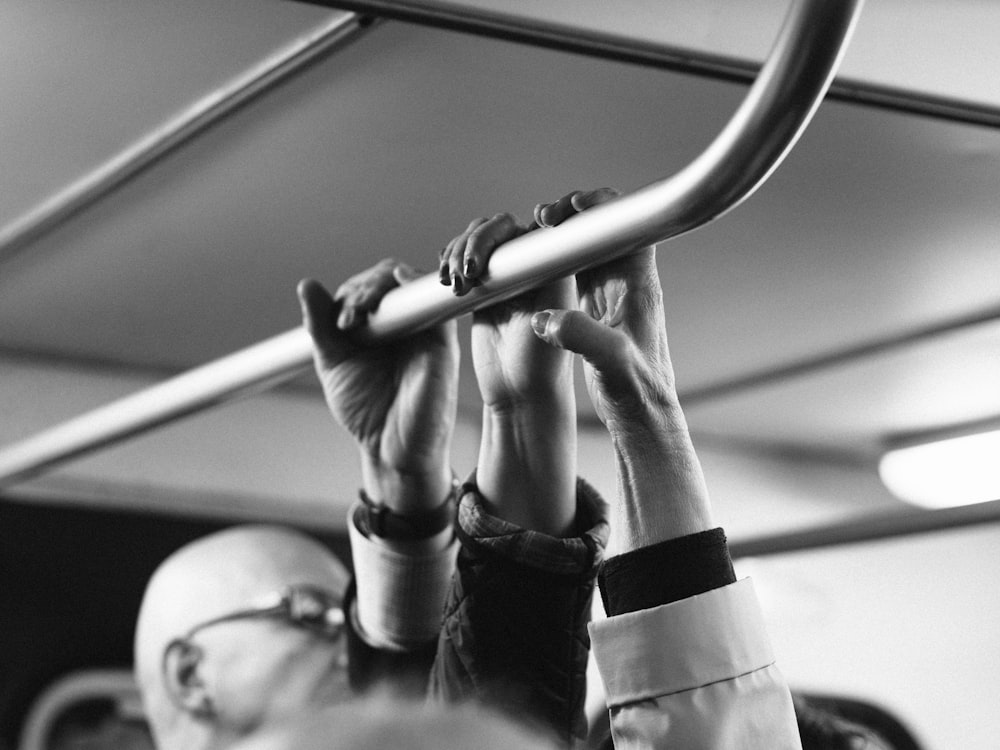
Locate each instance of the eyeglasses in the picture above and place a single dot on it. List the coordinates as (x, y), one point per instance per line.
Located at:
(305, 606)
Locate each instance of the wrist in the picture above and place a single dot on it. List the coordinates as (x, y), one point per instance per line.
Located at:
(405, 491)
(426, 531)
(537, 406)
(661, 488)
(527, 469)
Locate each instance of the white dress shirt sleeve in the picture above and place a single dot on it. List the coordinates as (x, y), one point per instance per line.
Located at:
(695, 674)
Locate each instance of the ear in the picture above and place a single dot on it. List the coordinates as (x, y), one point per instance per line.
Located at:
(183, 679)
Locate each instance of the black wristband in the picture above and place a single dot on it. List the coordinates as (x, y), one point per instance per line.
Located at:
(666, 572)
(382, 521)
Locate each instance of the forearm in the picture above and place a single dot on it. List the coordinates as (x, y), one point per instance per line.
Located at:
(661, 488)
(401, 583)
(403, 547)
(684, 654)
(404, 490)
(527, 465)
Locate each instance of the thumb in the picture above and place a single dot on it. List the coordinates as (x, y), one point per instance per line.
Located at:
(606, 349)
(319, 318)
(403, 273)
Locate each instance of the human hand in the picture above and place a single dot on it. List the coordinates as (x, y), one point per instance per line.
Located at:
(397, 400)
(619, 328)
(528, 448)
(515, 370)
(620, 332)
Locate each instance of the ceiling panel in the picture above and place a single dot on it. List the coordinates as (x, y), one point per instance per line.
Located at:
(83, 80)
(857, 408)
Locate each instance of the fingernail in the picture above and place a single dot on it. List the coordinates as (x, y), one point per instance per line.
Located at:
(540, 321)
(456, 282)
(470, 266)
(538, 214)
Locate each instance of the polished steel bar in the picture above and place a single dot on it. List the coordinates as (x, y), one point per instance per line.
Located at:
(329, 36)
(249, 370)
(765, 126)
(753, 143)
(494, 24)
(868, 527)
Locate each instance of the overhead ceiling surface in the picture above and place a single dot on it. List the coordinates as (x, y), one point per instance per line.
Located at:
(82, 80)
(878, 223)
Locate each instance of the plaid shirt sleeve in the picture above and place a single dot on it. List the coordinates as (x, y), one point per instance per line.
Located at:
(581, 554)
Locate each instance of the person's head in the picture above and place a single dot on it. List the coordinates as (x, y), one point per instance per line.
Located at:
(238, 631)
(820, 729)
(380, 722)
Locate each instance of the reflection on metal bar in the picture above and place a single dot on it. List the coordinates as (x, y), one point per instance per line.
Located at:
(490, 23)
(869, 527)
(208, 110)
(763, 129)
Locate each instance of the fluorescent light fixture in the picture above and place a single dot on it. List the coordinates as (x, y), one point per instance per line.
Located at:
(945, 473)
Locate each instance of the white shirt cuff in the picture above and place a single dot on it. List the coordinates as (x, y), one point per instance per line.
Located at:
(682, 645)
(400, 595)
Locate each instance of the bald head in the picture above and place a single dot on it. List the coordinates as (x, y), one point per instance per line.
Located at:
(214, 576)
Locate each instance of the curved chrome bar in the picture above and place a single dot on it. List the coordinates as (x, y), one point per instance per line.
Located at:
(764, 128)
(776, 110)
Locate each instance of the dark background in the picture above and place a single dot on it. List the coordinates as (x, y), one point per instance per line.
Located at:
(71, 581)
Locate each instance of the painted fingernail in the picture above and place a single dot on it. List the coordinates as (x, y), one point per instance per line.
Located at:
(456, 282)
(443, 275)
(470, 266)
(540, 321)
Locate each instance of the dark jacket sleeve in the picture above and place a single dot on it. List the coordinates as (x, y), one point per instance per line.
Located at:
(514, 635)
(400, 673)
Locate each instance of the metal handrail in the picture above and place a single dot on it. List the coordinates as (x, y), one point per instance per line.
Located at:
(62, 205)
(767, 124)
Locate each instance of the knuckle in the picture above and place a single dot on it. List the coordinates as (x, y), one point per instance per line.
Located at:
(479, 240)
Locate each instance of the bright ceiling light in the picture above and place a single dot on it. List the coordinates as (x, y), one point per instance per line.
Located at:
(945, 473)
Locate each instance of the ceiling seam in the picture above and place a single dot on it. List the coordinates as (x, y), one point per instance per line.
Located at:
(218, 504)
(838, 357)
(602, 45)
(868, 527)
